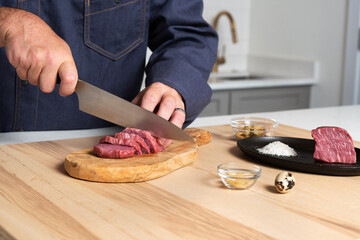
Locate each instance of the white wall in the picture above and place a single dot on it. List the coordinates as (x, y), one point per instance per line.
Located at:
(303, 29)
(240, 10)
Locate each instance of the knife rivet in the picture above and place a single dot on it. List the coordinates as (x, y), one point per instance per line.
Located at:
(117, 1)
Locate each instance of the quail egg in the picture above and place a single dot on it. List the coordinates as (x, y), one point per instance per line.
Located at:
(284, 182)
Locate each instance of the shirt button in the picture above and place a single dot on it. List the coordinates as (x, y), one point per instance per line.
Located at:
(24, 83)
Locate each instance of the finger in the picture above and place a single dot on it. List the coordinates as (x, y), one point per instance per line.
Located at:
(22, 65)
(178, 118)
(47, 78)
(33, 74)
(22, 73)
(151, 97)
(166, 107)
(138, 98)
(69, 77)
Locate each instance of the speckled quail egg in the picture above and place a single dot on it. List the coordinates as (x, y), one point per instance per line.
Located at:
(284, 182)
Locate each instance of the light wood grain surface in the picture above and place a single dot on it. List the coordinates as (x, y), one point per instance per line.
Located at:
(39, 200)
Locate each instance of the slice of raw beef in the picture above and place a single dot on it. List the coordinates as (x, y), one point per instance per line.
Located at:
(123, 141)
(113, 151)
(137, 138)
(150, 140)
(333, 145)
(110, 140)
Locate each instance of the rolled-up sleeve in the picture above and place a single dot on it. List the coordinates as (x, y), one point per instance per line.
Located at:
(184, 50)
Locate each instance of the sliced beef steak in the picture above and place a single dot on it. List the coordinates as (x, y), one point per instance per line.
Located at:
(150, 140)
(113, 151)
(135, 137)
(334, 145)
(122, 141)
(110, 140)
(127, 143)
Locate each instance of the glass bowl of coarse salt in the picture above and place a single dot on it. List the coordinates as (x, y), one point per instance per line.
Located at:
(239, 175)
(245, 127)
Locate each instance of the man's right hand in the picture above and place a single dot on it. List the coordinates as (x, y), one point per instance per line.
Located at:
(36, 51)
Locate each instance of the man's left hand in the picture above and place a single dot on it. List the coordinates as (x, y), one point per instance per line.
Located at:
(164, 100)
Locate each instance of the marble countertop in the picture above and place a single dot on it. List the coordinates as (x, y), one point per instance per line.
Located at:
(346, 117)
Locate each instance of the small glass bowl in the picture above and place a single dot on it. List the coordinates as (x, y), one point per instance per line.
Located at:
(239, 175)
(245, 127)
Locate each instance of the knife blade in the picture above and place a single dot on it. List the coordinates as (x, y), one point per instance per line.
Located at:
(109, 107)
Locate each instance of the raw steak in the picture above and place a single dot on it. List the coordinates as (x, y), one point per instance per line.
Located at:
(110, 140)
(124, 141)
(334, 145)
(135, 137)
(113, 151)
(150, 140)
(129, 142)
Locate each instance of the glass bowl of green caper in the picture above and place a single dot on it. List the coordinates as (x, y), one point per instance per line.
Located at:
(245, 127)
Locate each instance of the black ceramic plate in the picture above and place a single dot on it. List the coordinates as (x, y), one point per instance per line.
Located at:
(304, 160)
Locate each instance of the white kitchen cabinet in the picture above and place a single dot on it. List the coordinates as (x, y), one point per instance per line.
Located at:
(269, 99)
(219, 104)
(257, 100)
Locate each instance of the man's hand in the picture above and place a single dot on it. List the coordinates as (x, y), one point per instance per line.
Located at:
(36, 51)
(164, 100)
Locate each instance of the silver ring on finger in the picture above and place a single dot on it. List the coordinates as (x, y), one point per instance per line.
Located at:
(180, 109)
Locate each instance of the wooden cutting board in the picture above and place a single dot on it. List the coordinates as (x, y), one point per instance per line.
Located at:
(84, 164)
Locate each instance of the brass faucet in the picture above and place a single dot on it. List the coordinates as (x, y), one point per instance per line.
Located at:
(221, 59)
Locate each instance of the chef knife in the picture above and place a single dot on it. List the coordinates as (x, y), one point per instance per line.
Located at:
(109, 107)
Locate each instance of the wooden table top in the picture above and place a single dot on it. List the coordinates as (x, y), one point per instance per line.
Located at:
(38, 200)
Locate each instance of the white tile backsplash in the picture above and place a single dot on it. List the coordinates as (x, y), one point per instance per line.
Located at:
(235, 53)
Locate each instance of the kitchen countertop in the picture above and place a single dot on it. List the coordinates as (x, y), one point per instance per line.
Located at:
(268, 82)
(346, 117)
(267, 72)
(38, 199)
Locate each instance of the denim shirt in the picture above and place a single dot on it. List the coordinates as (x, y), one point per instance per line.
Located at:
(109, 40)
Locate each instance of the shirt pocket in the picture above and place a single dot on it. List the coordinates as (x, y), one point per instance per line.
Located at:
(114, 28)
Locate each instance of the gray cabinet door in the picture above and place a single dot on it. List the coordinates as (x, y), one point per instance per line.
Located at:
(269, 99)
(219, 104)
